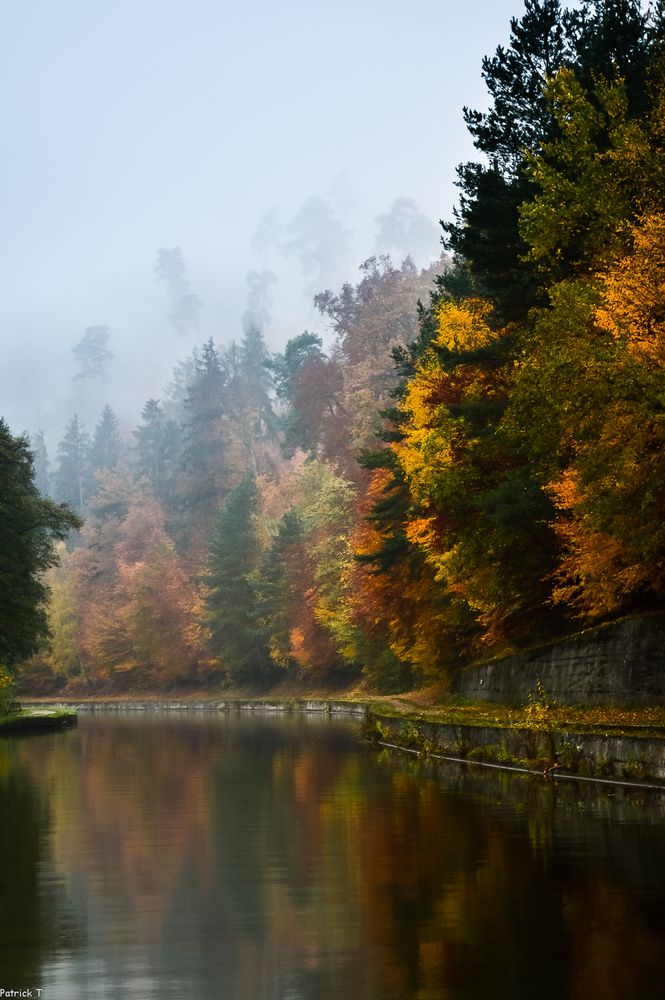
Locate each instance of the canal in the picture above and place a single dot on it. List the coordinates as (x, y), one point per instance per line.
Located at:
(261, 857)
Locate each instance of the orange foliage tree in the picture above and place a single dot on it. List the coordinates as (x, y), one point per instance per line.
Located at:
(611, 494)
(132, 599)
(479, 517)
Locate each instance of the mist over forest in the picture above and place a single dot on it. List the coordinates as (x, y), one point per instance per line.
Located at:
(251, 140)
(350, 441)
(155, 319)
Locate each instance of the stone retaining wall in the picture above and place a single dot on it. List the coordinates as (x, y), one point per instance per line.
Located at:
(622, 663)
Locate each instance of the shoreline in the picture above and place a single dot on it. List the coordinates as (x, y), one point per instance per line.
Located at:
(38, 719)
(629, 756)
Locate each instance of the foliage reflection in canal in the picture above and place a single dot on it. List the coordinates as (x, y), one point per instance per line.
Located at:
(260, 857)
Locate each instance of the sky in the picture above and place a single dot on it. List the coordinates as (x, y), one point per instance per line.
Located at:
(228, 131)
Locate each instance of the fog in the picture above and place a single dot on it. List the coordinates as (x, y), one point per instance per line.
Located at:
(295, 139)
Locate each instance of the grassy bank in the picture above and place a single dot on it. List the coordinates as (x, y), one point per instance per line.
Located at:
(36, 719)
(536, 714)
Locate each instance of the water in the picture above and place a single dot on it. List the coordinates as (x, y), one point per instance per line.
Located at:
(255, 857)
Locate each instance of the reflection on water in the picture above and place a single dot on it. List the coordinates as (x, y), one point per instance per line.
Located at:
(257, 857)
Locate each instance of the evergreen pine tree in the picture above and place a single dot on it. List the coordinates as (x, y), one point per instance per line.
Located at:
(250, 405)
(615, 40)
(605, 39)
(41, 463)
(279, 587)
(484, 235)
(185, 306)
(156, 447)
(29, 525)
(73, 483)
(231, 615)
(92, 354)
(257, 379)
(107, 447)
(204, 439)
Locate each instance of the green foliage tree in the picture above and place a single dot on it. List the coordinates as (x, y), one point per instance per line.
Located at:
(62, 651)
(203, 479)
(248, 403)
(308, 383)
(41, 462)
(278, 584)
(30, 524)
(106, 448)
(285, 367)
(588, 182)
(615, 40)
(610, 40)
(231, 614)
(484, 235)
(155, 454)
(72, 481)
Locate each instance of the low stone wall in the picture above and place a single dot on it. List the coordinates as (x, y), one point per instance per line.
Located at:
(259, 705)
(329, 707)
(622, 663)
(626, 758)
(132, 706)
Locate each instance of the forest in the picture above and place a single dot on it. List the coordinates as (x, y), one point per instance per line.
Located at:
(472, 466)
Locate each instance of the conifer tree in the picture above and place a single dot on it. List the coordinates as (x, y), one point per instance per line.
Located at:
(252, 421)
(484, 235)
(257, 381)
(185, 306)
(231, 607)
(611, 40)
(72, 481)
(92, 354)
(41, 462)
(279, 587)
(107, 447)
(156, 449)
(204, 439)
(29, 526)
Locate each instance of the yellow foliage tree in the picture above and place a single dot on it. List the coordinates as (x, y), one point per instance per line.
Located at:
(589, 401)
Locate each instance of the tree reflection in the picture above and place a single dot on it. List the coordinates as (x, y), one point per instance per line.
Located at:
(276, 857)
(34, 920)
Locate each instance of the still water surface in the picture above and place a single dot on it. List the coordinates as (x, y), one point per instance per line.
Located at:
(254, 857)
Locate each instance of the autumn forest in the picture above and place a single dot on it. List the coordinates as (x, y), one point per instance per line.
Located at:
(472, 465)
